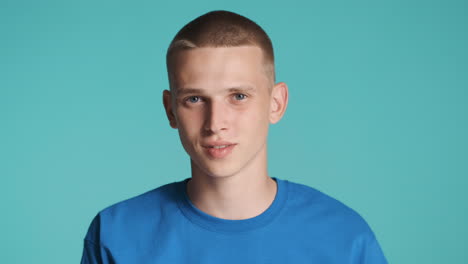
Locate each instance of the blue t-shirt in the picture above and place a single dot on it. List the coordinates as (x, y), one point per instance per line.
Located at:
(302, 225)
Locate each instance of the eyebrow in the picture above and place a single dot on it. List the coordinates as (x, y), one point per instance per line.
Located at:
(239, 89)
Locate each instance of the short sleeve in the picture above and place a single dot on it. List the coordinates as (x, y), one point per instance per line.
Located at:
(366, 250)
(372, 252)
(93, 251)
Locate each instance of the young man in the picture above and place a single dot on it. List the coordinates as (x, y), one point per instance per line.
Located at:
(222, 98)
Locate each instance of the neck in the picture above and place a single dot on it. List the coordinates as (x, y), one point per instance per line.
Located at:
(243, 195)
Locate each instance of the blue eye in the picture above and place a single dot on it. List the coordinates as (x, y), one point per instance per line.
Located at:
(193, 99)
(240, 97)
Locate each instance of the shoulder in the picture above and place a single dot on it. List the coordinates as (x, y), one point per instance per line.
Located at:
(323, 210)
(134, 214)
(162, 195)
(332, 222)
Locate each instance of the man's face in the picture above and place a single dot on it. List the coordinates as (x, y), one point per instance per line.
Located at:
(221, 102)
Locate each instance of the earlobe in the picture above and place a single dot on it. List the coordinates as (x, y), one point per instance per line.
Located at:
(279, 102)
(167, 98)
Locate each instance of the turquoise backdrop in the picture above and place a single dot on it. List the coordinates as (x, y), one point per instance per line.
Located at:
(377, 116)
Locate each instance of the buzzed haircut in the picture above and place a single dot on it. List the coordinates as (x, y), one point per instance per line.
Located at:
(222, 29)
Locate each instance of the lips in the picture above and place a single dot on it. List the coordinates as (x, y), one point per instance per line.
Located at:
(218, 149)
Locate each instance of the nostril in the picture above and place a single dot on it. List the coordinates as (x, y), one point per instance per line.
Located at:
(215, 117)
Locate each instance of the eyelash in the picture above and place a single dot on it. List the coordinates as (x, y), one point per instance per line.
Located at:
(191, 97)
(244, 96)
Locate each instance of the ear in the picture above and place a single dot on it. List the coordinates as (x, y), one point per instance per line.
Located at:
(167, 101)
(278, 102)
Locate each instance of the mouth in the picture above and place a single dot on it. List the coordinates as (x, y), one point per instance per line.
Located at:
(219, 150)
(218, 144)
(219, 147)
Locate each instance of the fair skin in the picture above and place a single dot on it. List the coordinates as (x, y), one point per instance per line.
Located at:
(222, 103)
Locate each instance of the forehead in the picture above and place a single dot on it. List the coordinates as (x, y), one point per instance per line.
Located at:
(217, 67)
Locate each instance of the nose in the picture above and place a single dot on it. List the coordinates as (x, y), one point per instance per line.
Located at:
(216, 117)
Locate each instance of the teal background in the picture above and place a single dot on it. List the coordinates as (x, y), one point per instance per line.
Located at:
(377, 115)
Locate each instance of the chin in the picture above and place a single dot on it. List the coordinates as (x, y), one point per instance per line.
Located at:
(204, 165)
(220, 171)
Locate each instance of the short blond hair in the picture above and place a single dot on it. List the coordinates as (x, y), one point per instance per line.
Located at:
(221, 29)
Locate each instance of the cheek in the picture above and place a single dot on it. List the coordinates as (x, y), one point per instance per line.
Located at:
(187, 135)
(187, 119)
(254, 119)
(188, 127)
